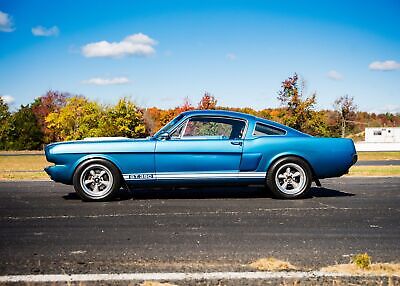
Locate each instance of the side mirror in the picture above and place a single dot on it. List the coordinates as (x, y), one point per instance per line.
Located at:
(164, 136)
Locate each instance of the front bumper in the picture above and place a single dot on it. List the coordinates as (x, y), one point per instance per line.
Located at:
(59, 173)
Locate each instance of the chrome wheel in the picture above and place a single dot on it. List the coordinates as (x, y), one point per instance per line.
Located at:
(96, 181)
(290, 179)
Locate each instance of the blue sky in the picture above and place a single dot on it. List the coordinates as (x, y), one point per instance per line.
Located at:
(159, 52)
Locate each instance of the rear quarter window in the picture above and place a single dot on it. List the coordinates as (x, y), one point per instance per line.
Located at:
(265, 130)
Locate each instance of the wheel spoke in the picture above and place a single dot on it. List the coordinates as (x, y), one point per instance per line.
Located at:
(296, 174)
(294, 184)
(288, 170)
(281, 176)
(96, 188)
(86, 182)
(92, 172)
(105, 183)
(284, 185)
(102, 173)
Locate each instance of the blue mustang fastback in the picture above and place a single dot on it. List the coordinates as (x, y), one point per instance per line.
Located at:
(202, 147)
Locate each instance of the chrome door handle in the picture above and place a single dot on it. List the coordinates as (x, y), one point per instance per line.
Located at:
(236, 143)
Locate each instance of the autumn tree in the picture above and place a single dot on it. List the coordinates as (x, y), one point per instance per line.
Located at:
(52, 101)
(299, 112)
(124, 119)
(151, 118)
(208, 101)
(156, 118)
(346, 109)
(79, 118)
(185, 106)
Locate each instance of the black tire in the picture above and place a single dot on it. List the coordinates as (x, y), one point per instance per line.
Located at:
(97, 180)
(289, 178)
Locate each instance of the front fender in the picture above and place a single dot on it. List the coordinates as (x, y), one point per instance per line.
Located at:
(63, 173)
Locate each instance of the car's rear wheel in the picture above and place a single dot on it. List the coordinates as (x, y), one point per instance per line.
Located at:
(96, 180)
(289, 178)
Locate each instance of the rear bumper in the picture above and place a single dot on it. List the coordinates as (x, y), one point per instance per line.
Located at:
(355, 158)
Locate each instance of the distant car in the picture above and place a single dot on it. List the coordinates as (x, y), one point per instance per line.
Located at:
(202, 147)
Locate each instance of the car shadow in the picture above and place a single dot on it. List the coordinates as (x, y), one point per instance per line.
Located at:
(236, 192)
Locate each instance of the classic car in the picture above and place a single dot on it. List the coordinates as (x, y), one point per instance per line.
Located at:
(202, 147)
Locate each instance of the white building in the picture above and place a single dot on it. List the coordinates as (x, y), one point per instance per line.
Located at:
(382, 135)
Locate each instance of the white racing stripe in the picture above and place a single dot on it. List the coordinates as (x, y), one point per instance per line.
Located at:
(190, 176)
(174, 276)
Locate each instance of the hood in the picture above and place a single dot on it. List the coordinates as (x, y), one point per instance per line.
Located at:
(91, 145)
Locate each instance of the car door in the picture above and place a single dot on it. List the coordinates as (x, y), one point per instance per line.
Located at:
(202, 147)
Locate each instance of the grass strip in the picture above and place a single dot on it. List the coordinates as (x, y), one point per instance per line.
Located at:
(374, 171)
(23, 163)
(377, 156)
(374, 269)
(22, 176)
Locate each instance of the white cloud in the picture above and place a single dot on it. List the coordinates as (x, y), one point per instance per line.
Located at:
(106, 81)
(231, 56)
(41, 31)
(335, 75)
(6, 23)
(391, 108)
(8, 99)
(133, 45)
(384, 65)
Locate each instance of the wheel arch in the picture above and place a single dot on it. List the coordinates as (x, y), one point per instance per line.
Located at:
(87, 158)
(281, 156)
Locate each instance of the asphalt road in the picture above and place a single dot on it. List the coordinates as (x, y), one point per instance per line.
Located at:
(45, 228)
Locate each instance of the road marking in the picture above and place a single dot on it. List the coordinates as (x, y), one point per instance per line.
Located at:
(259, 210)
(173, 276)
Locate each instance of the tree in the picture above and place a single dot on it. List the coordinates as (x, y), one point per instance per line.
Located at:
(299, 113)
(78, 119)
(52, 101)
(4, 117)
(23, 132)
(151, 118)
(208, 101)
(346, 109)
(186, 106)
(123, 119)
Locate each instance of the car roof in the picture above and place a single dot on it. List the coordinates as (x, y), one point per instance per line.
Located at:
(241, 115)
(220, 112)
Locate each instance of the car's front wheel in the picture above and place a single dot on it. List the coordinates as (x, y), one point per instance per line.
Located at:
(289, 178)
(96, 180)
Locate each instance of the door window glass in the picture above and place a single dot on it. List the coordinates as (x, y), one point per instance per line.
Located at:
(213, 128)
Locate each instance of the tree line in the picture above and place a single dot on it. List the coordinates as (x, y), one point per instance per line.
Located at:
(58, 116)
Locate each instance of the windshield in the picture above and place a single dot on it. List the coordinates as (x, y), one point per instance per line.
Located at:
(168, 127)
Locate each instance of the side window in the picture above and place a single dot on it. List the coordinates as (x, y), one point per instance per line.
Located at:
(263, 129)
(214, 128)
